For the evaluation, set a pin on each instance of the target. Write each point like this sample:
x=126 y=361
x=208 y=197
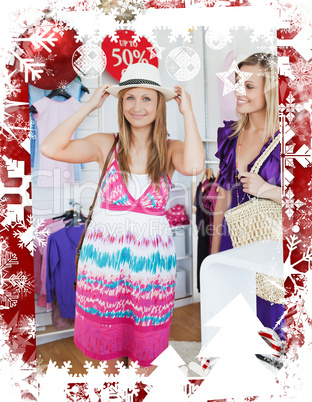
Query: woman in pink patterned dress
x=126 y=273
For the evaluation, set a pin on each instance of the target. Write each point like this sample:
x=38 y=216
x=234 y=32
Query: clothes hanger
x=59 y=92
x=210 y=174
x=204 y=174
x=67 y=214
x=55 y=92
x=85 y=89
x=217 y=175
x=77 y=219
x=32 y=109
x=217 y=189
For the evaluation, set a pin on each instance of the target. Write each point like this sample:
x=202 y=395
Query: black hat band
x=137 y=81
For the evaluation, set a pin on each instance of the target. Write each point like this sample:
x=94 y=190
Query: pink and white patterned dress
x=126 y=273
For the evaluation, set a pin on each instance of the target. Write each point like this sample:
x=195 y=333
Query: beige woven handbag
x=255 y=220
x=258 y=218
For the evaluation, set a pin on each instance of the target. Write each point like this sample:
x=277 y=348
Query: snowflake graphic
x=28 y=66
x=210 y=3
x=304 y=215
x=62 y=84
x=23 y=231
x=37 y=35
x=87 y=5
x=302 y=72
x=30 y=234
x=27 y=325
x=19 y=129
x=299 y=17
x=14 y=285
x=272 y=60
x=290 y=204
x=17 y=377
x=61 y=28
x=7 y=89
x=122 y=10
x=8 y=259
x=260 y=37
x=13 y=88
x=303 y=155
x=42 y=60
x=3 y=205
x=289 y=266
x=291 y=108
x=218 y=39
x=78 y=392
x=175 y=33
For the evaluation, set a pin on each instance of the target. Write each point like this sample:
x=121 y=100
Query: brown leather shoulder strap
x=108 y=158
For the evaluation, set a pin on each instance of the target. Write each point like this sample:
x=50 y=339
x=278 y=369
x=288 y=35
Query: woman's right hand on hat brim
x=99 y=96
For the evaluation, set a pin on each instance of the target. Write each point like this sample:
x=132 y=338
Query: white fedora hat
x=141 y=75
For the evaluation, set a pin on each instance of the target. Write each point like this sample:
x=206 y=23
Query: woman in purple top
x=240 y=143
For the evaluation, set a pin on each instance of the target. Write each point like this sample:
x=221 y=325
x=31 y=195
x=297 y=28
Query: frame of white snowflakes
x=31 y=234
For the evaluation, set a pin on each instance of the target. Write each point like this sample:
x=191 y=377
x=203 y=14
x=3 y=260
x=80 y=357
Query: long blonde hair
x=157 y=154
x=268 y=64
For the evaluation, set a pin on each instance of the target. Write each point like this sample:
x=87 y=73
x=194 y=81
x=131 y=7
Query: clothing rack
x=44 y=334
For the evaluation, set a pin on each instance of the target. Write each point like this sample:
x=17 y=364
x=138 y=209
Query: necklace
x=236 y=170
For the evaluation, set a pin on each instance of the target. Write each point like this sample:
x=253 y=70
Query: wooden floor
x=185 y=326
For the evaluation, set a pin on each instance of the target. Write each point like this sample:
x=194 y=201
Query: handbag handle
x=259 y=162
x=91 y=208
x=256 y=167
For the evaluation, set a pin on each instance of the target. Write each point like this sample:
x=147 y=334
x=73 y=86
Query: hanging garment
x=42 y=298
x=177 y=216
x=61 y=270
x=126 y=273
x=73 y=89
x=37 y=260
x=205 y=200
x=50 y=114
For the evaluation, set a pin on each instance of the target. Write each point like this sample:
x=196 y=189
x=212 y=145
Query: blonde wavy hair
x=157 y=154
x=268 y=65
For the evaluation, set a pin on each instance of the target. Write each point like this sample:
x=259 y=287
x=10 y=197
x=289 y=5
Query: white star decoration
x=231 y=85
x=155 y=51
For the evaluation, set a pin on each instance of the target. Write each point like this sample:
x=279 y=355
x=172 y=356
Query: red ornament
x=126 y=51
x=54 y=46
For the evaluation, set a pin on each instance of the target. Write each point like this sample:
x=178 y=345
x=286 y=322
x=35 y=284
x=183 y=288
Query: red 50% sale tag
x=126 y=51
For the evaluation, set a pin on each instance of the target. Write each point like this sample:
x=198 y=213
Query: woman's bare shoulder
x=104 y=142
x=102 y=138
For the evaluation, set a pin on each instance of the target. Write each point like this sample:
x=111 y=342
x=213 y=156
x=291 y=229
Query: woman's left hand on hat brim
x=183 y=99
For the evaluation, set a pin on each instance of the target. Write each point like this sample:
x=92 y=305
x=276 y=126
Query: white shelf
x=211 y=162
x=184 y=258
x=53 y=336
x=178 y=188
x=183 y=302
x=180 y=227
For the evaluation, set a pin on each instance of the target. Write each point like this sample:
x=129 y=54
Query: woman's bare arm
x=187 y=157
x=222 y=204
x=59 y=146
